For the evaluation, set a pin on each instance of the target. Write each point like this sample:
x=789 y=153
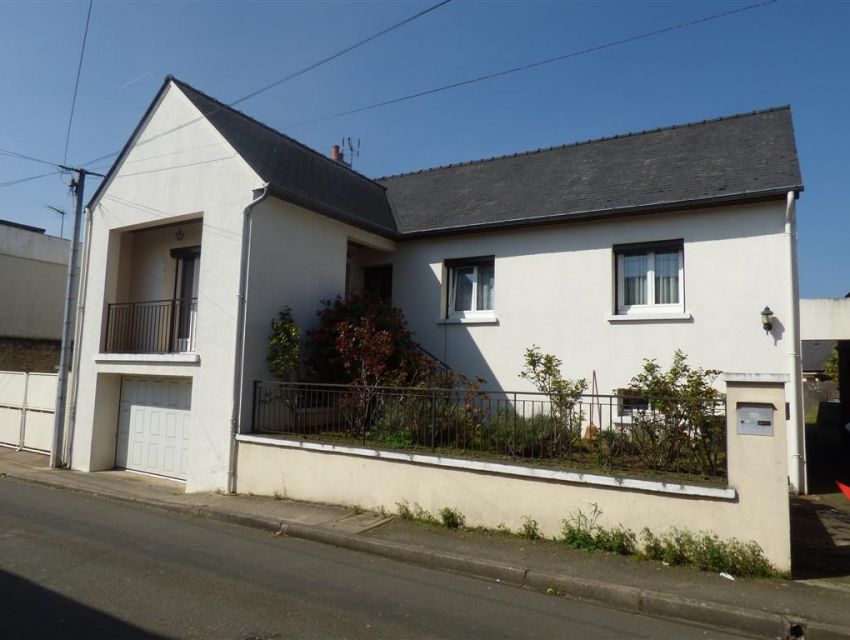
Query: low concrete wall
x=757 y=472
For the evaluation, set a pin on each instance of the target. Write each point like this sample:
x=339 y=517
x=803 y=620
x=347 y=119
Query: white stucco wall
x=555 y=288
x=297 y=259
x=33 y=272
x=187 y=173
x=825 y=318
x=757 y=471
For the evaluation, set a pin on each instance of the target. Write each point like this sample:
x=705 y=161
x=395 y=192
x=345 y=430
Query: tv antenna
x=61 y=212
x=352 y=145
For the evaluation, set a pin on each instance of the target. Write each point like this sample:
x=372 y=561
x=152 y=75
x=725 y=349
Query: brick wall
x=21 y=354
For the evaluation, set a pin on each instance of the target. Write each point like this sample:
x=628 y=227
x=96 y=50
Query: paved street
x=73 y=565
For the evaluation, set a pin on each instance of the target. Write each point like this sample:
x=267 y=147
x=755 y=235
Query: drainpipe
x=239 y=355
x=78 y=341
x=796 y=432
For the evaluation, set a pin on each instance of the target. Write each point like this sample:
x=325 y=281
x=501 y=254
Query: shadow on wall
x=41 y=613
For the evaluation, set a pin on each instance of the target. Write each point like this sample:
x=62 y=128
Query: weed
x=452 y=518
x=706 y=551
x=278 y=495
x=581 y=531
x=504 y=530
x=357 y=509
x=415 y=514
x=382 y=511
x=555 y=591
x=530 y=529
x=404 y=511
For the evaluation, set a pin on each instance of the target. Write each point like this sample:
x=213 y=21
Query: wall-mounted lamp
x=767 y=319
x=179 y=235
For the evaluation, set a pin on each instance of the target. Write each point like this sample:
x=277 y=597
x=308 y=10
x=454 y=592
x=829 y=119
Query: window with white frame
x=471 y=287
x=650 y=277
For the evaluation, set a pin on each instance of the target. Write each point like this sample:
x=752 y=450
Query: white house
x=603 y=252
x=33 y=270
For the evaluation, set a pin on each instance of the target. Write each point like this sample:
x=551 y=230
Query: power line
x=77 y=83
x=287 y=78
x=9 y=183
x=23 y=156
x=339 y=53
x=540 y=63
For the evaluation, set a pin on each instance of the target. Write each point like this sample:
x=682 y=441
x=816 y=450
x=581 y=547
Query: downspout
x=78 y=337
x=796 y=431
x=239 y=355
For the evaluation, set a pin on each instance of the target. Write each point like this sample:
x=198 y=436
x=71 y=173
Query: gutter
x=239 y=354
x=796 y=433
x=604 y=214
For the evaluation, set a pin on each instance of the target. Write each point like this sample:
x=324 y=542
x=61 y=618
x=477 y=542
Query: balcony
x=153 y=327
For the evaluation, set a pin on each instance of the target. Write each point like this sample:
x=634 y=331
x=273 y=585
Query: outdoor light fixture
x=767 y=319
x=180 y=235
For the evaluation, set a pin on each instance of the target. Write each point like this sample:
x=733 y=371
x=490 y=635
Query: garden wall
x=754 y=505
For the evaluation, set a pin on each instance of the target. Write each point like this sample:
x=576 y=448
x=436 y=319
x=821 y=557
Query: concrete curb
x=666 y=605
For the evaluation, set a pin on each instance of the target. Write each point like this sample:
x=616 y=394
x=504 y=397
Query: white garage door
x=154 y=425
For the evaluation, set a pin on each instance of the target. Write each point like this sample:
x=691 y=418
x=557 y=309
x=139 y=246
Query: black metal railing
x=608 y=433
x=158 y=326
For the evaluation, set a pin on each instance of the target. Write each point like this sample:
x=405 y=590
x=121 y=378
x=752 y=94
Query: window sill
x=158 y=358
x=484 y=319
x=650 y=317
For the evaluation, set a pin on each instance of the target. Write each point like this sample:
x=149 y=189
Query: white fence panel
x=27 y=403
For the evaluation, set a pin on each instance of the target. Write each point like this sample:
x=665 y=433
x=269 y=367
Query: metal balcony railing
x=157 y=326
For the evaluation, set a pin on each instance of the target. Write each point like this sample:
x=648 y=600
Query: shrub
x=284 y=345
x=359 y=316
x=452 y=518
x=544 y=372
x=682 y=430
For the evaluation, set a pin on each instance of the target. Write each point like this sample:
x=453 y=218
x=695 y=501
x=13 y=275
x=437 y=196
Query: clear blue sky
x=794 y=53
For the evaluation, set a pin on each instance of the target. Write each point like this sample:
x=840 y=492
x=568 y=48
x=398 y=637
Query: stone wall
x=23 y=354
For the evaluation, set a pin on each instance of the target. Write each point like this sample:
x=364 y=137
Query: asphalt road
x=78 y=566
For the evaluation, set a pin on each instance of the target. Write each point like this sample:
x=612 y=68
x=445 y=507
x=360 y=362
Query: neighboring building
x=604 y=253
x=816 y=353
x=33 y=272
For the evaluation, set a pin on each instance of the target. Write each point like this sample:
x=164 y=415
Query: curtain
x=463 y=279
x=634 y=279
x=667 y=278
x=486 y=287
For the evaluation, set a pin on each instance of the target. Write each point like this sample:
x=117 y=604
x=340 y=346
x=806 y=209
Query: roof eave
x=127 y=145
x=607 y=214
x=288 y=195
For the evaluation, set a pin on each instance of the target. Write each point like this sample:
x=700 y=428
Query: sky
x=786 y=52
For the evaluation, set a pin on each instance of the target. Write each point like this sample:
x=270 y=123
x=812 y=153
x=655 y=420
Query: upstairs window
x=650 y=277
x=472 y=287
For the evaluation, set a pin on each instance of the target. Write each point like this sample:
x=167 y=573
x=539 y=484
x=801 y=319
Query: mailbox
x=755 y=419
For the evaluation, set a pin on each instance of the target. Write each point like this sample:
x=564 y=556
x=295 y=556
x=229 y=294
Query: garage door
x=154 y=425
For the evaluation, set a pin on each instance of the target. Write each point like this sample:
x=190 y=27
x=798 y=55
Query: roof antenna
x=353 y=146
x=61 y=212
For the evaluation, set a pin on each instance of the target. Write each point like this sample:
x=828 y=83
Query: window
x=472 y=285
x=650 y=277
x=630 y=402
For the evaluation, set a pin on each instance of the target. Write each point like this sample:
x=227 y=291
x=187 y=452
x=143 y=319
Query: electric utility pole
x=78 y=186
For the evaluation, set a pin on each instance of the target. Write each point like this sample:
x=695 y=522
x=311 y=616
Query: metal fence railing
x=157 y=326
x=617 y=433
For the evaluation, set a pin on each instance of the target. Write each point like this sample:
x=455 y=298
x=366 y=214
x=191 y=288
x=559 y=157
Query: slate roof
x=296 y=172
x=745 y=157
x=815 y=354
x=742 y=157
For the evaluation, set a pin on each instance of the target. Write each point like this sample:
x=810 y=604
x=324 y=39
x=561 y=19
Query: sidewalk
x=764 y=608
